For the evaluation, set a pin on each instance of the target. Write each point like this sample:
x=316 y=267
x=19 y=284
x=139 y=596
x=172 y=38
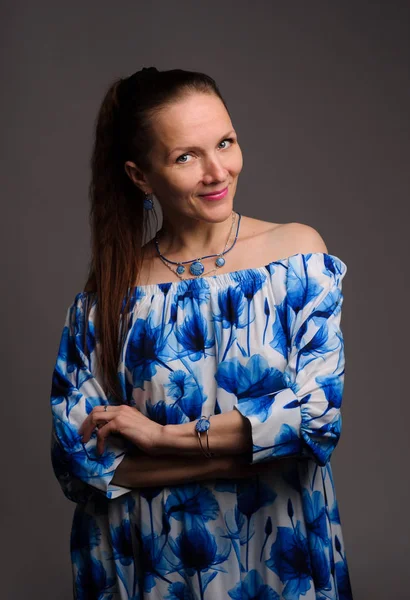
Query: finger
x=97 y=416
x=103 y=433
x=92 y=425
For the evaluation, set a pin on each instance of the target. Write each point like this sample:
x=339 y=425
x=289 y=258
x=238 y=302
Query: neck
x=185 y=241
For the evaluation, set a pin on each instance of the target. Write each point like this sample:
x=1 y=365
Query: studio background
x=319 y=95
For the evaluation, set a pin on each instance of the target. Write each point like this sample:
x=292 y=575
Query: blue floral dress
x=265 y=341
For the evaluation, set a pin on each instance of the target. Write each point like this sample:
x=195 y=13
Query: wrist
x=178 y=439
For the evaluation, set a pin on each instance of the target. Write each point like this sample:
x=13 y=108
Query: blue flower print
x=255 y=380
x=344 y=586
x=63 y=391
x=332 y=265
x=316 y=519
x=231 y=306
x=74 y=489
x=164 y=414
x=87 y=464
x=328 y=434
x=343 y=581
x=157 y=560
x=147 y=348
x=126 y=388
x=165 y=287
x=318 y=346
x=191 y=502
x=287 y=442
x=250 y=282
x=123 y=552
x=92 y=581
x=263 y=341
x=334 y=514
x=85 y=533
x=266 y=310
x=122 y=543
x=187 y=393
x=67 y=357
x=253 y=494
x=68 y=363
x=317 y=532
x=280 y=340
x=83 y=463
x=253 y=588
x=301 y=287
x=193 y=290
x=289 y=559
x=200 y=551
x=192 y=335
x=78 y=327
x=328 y=307
x=236 y=532
x=179 y=591
x=322 y=317
x=231 y=315
x=149 y=494
x=135 y=295
x=268 y=531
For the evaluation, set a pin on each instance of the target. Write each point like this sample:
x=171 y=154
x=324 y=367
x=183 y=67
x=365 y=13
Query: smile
x=215 y=195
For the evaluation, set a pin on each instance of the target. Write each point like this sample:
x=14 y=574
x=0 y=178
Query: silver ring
x=106 y=408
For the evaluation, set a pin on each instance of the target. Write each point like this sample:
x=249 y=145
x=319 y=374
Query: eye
x=179 y=157
x=231 y=140
x=182 y=162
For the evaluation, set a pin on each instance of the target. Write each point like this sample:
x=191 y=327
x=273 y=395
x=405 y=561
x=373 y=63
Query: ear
x=137 y=176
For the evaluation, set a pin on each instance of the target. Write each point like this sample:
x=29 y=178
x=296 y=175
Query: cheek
x=179 y=185
x=169 y=186
x=186 y=181
x=237 y=162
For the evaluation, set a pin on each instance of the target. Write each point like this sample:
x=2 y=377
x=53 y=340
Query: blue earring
x=148 y=203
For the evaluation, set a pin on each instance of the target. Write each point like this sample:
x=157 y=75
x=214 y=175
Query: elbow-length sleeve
x=303 y=419
x=75 y=390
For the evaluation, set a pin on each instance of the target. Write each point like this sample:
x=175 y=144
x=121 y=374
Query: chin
x=218 y=213
x=216 y=210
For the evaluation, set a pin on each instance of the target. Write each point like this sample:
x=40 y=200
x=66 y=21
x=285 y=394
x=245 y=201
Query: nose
x=214 y=171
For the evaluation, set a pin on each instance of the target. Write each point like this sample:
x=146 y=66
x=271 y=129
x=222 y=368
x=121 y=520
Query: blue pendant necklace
x=197 y=268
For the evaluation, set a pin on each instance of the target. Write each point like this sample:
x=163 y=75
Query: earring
x=148 y=203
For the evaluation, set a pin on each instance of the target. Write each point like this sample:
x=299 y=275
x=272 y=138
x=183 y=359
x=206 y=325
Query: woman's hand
x=126 y=421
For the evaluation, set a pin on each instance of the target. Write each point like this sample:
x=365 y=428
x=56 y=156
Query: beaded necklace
x=197 y=268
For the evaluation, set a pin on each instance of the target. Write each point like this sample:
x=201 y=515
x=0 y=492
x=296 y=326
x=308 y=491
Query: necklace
x=197 y=268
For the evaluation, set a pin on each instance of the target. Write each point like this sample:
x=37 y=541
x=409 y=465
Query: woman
x=196 y=394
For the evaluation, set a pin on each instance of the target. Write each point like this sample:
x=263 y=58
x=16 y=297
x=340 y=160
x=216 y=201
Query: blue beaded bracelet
x=202 y=425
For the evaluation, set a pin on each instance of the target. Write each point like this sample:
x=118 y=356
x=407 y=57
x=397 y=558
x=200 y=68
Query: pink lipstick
x=215 y=195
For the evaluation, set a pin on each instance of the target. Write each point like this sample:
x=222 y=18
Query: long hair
x=118 y=226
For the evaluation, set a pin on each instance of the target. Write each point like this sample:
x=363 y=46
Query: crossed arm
x=171 y=454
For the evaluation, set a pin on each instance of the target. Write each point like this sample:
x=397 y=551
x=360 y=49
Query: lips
x=215 y=195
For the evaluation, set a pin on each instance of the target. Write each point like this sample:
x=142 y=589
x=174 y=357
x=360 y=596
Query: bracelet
x=202 y=425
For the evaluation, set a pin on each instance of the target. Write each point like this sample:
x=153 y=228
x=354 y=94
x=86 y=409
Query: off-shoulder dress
x=265 y=341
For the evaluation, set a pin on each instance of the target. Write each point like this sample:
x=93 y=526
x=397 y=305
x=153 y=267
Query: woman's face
x=195 y=152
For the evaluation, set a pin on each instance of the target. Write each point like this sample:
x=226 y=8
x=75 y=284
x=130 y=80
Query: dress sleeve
x=303 y=419
x=75 y=391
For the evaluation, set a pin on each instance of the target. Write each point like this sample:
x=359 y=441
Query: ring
x=106 y=408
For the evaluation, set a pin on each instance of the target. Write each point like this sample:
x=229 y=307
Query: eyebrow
x=180 y=148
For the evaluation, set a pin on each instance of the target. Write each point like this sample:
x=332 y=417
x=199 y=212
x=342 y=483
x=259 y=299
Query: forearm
x=145 y=471
x=229 y=434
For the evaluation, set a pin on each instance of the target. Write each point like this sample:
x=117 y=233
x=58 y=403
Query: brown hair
x=118 y=224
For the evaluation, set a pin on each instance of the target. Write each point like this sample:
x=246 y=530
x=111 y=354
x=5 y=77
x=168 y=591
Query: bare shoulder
x=280 y=240
x=295 y=238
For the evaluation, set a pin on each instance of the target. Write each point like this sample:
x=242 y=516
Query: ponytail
x=117 y=232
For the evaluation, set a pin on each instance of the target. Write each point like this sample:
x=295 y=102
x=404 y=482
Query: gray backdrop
x=319 y=95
